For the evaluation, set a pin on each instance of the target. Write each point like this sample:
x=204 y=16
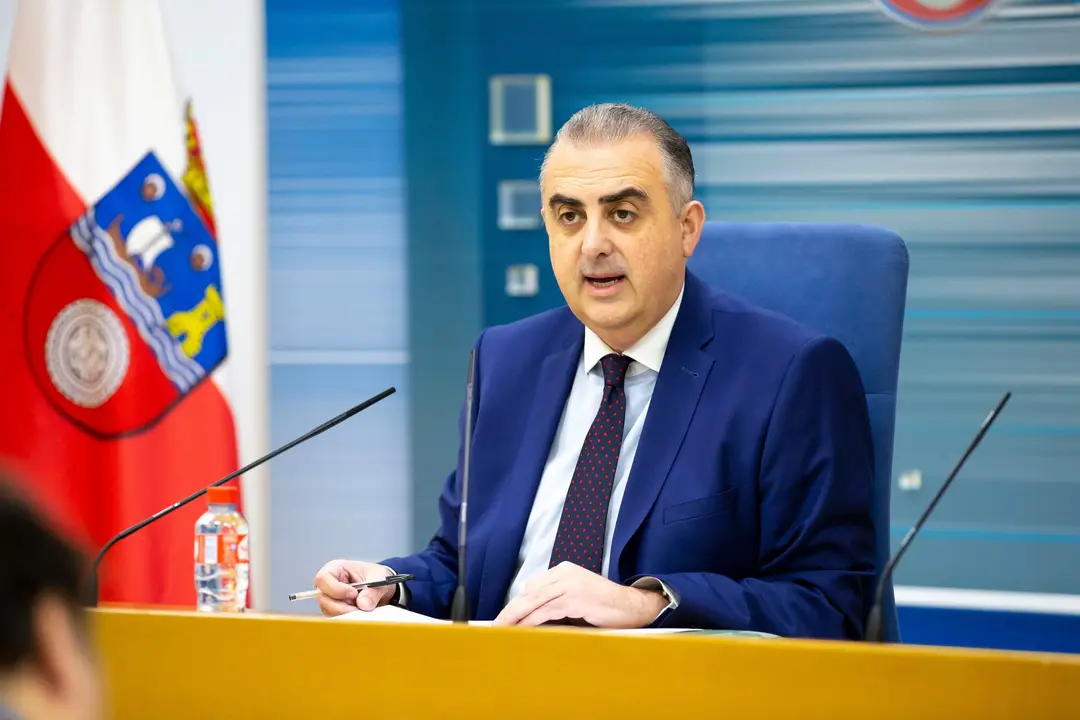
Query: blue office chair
x=846 y=281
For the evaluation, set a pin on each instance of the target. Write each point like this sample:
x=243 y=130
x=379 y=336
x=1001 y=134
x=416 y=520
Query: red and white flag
x=114 y=313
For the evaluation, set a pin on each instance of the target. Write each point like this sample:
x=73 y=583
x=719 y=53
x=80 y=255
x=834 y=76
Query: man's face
x=618 y=247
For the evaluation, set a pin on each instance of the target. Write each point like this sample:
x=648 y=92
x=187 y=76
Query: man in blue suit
x=657 y=453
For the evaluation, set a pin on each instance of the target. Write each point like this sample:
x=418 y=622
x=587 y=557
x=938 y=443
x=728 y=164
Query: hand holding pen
x=344 y=585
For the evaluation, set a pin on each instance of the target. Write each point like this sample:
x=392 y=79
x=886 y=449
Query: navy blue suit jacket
x=750 y=494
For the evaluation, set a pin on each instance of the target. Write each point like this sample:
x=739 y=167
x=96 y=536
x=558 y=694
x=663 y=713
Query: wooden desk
x=185 y=665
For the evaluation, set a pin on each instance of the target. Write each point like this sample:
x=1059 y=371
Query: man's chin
x=607 y=322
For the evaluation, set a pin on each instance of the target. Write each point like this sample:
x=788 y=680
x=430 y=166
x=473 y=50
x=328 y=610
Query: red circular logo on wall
x=937 y=14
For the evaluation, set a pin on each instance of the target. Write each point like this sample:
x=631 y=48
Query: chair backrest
x=846 y=281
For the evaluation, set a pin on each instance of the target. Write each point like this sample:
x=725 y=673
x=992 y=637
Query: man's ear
x=692 y=221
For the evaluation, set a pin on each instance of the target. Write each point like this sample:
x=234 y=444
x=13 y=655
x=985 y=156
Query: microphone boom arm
x=874 y=621
x=92 y=591
x=459 y=610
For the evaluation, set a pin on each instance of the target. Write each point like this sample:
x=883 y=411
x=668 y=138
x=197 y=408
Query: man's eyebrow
x=560 y=199
x=627 y=193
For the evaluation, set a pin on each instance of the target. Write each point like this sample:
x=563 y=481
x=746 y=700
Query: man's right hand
x=338 y=597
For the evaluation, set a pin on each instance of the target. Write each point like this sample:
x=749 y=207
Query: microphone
x=459 y=611
x=874 y=628
x=92 y=590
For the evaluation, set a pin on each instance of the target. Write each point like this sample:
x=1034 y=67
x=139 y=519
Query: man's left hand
x=570 y=592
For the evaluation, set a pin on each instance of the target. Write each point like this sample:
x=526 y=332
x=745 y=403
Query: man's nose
x=595 y=242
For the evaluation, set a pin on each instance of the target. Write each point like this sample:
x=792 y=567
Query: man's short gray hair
x=611 y=122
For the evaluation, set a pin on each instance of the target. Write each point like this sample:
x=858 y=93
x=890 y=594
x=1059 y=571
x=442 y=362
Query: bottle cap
x=223 y=495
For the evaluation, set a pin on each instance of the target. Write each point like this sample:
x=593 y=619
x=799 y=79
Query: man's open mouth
x=603 y=281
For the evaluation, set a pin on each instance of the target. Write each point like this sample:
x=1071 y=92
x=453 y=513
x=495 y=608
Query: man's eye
x=568 y=217
x=622 y=215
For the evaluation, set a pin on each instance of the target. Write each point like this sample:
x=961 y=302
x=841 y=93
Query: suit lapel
x=550 y=391
x=675 y=398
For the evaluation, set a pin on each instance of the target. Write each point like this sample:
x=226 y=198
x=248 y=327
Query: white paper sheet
x=395 y=614
x=646 y=631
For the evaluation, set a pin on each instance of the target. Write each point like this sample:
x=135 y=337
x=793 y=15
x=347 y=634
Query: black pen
x=391 y=580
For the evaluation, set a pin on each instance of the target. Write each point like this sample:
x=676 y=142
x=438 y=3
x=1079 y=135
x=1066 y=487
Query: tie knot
x=615 y=367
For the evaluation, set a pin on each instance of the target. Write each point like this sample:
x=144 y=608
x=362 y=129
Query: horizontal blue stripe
x=930 y=79
x=582 y=90
x=994 y=313
x=942 y=333
x=720 y=133
x=1003 y=429
x=870 y=94
x=781 y=196
x=987 y=534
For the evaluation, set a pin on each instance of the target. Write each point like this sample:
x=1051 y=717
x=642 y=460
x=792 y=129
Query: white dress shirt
x=581 y=407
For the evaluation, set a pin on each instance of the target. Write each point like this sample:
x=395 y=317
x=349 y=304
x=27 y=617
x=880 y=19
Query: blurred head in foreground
x=47 y=664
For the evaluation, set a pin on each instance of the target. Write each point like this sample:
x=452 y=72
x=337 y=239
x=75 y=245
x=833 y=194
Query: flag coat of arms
x=115 y=316
x=124 y=314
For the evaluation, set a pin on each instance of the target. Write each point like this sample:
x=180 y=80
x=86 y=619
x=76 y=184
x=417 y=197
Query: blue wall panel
x=445 y=127
x=338 y=269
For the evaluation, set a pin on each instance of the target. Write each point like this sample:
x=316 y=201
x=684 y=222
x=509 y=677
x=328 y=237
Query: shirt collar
x=647 y=353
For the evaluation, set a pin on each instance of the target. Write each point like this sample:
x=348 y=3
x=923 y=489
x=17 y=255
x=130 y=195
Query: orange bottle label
x=224 y=549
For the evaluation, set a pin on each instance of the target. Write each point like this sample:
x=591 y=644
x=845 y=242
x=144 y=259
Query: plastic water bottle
x=221 y=553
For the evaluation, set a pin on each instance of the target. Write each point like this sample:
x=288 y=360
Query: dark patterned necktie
x=580 y=538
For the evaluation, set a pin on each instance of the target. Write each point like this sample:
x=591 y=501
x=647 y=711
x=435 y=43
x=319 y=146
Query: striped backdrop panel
x=337 y=262
x=967 y=144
